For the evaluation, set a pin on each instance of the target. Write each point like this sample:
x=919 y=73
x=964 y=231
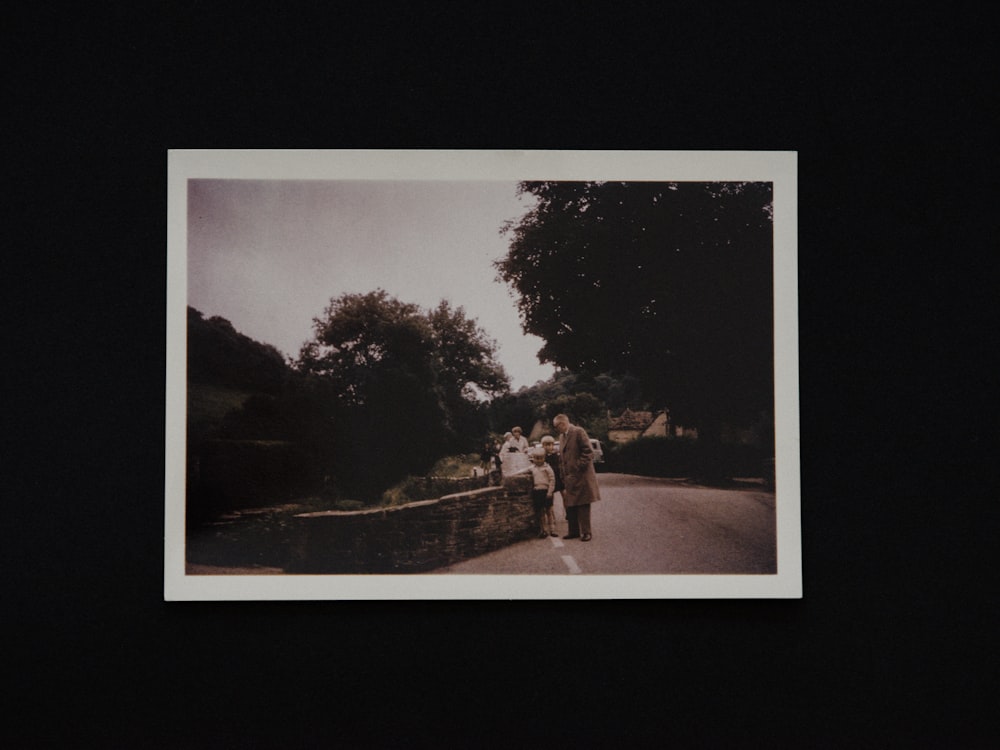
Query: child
x=486 y=457
x=544 y=484
x=552 y=459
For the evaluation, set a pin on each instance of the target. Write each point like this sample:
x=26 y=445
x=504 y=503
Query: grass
x=458 y=467
x=440 y=481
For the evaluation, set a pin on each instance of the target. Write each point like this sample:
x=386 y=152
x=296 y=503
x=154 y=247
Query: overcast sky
x=268 y=255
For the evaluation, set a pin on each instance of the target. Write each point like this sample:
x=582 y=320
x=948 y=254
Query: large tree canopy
x=671 y=282
x=585 y=398
x=361 y=337
x=408 y=380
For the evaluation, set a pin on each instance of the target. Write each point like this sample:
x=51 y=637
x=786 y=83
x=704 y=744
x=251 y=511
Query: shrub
x=413 y=489
x=679 y=457
x=228 y=474
x=455 y=466
x=208 y=406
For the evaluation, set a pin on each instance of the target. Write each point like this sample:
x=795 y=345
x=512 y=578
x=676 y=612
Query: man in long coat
x=576 y=459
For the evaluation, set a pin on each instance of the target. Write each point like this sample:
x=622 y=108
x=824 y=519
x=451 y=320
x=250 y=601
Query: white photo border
x=777 y=167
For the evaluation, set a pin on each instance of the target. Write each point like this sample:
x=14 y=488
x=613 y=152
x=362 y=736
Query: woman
x=514 y=453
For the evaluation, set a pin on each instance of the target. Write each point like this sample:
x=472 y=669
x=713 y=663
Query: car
x=598 y=451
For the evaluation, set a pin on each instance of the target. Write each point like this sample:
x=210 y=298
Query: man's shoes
x=543 y=535
x=553 y=533
x=572 y=536
x=585 y=538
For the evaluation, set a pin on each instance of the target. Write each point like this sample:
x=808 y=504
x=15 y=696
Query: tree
x=669 y=282
x=217 y=354
x=585 y=399
x=407 y=379
x=466 y=355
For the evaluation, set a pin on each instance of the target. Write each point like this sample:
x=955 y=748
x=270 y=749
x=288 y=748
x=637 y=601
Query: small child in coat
x=544 y=485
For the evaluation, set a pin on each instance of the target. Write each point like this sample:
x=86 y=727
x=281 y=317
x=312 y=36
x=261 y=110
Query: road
x=650 y=526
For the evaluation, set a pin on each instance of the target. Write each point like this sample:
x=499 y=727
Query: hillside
x=225 y=369
x=220 y=355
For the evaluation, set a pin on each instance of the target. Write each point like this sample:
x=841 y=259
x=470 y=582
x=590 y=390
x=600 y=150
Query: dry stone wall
x=415 y=537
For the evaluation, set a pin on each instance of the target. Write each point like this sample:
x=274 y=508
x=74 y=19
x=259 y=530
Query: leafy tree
x=467 y=370
x=585 y=408
x=217 y=354
x=586 y=399
x=670 y=282
x=407 y=381
x=622 y=393
x=465 y=354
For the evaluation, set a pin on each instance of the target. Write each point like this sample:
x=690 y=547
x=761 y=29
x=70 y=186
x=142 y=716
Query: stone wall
x=415 y=537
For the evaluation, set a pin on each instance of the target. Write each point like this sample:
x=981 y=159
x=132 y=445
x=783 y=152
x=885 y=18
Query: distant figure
x=543 y=482
x=552 y=459
x=578 y=475
x=486 y=455
x=490 y=458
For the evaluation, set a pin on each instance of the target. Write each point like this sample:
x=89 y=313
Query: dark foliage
x=671 y=282
x=405 y=382
x=218 y=354
x=584 y=397
x=270 y=434
x=696 y=459
x=228 y=474
x=304 y=413
x=383 y=391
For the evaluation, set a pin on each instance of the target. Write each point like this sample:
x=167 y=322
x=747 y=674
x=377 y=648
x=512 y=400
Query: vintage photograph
x=463 y=374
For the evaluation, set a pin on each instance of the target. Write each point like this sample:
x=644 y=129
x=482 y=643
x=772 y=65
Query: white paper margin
x=778 y=167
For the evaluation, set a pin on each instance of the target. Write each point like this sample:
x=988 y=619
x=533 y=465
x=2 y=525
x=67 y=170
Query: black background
x=893 y=117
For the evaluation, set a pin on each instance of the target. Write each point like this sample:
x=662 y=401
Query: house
x=635 y=424
x=660 y=427
x=629 y=425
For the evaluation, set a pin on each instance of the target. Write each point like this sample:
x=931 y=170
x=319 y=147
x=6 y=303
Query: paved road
x=652 y=526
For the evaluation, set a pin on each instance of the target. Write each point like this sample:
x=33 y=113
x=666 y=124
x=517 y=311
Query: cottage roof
x=631 y=420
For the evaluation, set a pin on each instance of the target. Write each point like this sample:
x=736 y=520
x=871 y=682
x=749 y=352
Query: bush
x=207 y=408
x=455 y=466
x=230 y=474
x=679 y=457
x=413 y=489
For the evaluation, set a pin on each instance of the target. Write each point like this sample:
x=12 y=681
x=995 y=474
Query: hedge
x=680 y=457
x=232 y=474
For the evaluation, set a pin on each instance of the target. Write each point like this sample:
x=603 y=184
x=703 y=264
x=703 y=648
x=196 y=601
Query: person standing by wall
x=486 y=454
x=578 y=476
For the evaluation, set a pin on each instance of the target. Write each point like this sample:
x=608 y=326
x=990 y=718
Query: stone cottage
x=631 y=425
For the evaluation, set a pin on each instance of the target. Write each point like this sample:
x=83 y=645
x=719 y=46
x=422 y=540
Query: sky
x=269 y=255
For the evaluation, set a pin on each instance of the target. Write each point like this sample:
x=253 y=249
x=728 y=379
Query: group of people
x=507 y=457
x=568 y=470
